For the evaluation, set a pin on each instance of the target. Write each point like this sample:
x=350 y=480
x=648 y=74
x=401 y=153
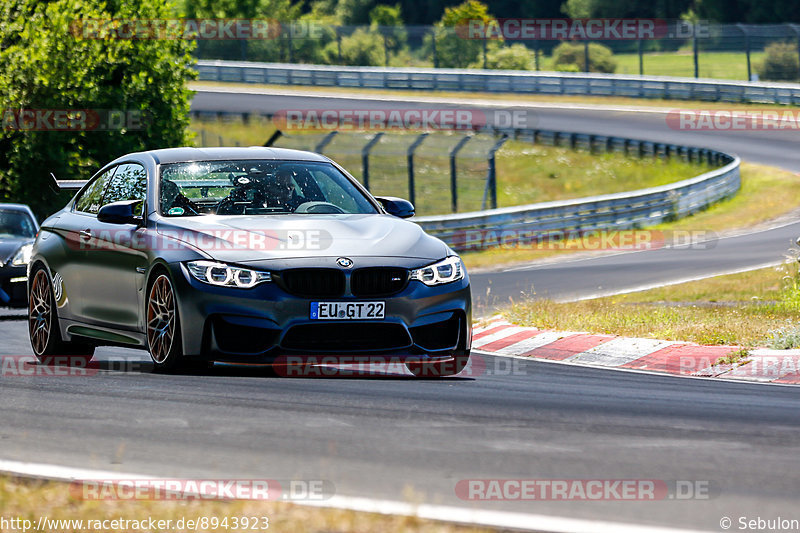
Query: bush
x=781 y=62
x=569 y=57
x=361 y=48
x=514 y=57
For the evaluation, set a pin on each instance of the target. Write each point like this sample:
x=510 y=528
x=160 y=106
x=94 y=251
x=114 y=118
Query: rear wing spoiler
x=68 y=185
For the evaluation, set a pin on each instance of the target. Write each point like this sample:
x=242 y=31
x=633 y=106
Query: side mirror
x=397 y=206
x=123 y=212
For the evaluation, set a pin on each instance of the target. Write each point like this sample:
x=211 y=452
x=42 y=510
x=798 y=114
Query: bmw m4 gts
x=244 y=255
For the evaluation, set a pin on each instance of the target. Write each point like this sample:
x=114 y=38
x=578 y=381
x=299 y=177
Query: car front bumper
x=265 y=323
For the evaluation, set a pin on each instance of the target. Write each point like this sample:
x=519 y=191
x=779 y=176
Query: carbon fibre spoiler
x=68 y=185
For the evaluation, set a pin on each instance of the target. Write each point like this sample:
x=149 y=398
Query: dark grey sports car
x=244 y=255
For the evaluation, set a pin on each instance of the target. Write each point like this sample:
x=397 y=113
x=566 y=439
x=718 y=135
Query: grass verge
x=26 y=499
x=766 y=194
x=756 y=308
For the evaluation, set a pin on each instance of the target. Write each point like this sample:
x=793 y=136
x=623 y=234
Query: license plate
x=347 y=310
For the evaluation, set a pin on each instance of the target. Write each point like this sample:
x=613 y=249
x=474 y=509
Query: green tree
x=454 y=47
x=388 y=21
x=46 y=66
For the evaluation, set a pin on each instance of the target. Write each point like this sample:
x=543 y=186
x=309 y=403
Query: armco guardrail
x=536 y=222
x=506 y=81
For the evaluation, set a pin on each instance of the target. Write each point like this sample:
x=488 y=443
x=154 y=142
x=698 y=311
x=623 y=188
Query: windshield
x=16 y=224
x=258 y=188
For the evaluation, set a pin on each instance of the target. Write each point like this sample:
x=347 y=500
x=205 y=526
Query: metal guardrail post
x=454 y=174
x=365 y=158
x=410 y=160
x=325 y=142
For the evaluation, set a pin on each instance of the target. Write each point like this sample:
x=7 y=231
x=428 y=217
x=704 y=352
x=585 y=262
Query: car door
x=117 y=259
x=74 y=227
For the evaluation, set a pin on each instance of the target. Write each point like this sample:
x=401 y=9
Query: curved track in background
x=377 y=437
x=590 y=276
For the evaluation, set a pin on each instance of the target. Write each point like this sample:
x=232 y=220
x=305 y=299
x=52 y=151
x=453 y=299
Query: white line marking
x=522 y=521
x=617 y=352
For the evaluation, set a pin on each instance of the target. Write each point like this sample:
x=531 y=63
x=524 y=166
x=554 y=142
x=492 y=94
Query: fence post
x=491 y=181
x=410 y=159
x=746 y=49
x=385 y=47
x=365 y=158
x=797 y=32
x=325 y=142
x=433 y=42
x=484 y=53
x=694 y=50
x=289 y=42
x=454 y=174
x=641 y=58
x=274 y=137
x=536 y=54
x=339 y=42
x=586 y=55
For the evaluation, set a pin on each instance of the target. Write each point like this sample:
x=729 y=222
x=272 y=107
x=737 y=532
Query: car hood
x=246 y=239
x=9 y=247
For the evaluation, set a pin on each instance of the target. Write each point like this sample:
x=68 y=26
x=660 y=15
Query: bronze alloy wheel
x=161 y=319
x=40 y=312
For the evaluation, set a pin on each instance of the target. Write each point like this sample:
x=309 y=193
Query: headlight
x=23 y=256
x=446 y=271
x=224 y=275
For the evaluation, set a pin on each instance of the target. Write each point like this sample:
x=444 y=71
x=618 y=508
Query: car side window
x=91 y=199
x=129 y=183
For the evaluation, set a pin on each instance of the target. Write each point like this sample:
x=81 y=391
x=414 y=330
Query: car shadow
x=82 y=366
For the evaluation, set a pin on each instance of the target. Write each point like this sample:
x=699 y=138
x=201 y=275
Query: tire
x=439 y=369
x=163 y=324
x=43 y=326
